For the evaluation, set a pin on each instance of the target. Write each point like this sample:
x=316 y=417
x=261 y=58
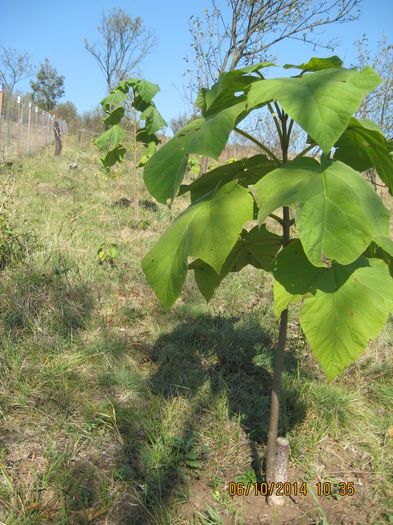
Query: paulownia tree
x=333 y=255
x=133 y=96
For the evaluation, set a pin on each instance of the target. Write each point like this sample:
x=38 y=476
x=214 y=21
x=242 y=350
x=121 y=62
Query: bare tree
x=222 y=43
x=124 y=43
x=378 y=105
x=14 y=67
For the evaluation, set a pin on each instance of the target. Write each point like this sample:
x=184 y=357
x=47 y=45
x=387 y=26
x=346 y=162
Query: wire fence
x=24 y=127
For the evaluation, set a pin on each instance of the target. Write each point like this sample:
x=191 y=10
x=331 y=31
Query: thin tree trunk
x=282 y=335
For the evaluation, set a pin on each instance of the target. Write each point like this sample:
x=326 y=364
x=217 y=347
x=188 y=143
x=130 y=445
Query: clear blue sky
x=56 y=29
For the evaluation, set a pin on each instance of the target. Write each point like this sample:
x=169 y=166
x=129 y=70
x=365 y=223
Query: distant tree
x=66 y=111
x=48 y=88
x=14 y=67
x=124 y=43
x=179 y=122
x=378 y=105
x=92 y=120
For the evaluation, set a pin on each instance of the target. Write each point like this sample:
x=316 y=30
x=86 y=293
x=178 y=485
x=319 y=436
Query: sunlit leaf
x=338 y=212
x=198 y=233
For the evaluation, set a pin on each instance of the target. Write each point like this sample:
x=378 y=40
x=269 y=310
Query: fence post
x=42 y=129
x=28 y=128
x=36 y=129
x=18 y=145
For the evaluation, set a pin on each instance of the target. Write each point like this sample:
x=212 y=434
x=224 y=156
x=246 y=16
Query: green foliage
x=49 y=87
x=137 y=94
x=340 y=264
x=107 y=253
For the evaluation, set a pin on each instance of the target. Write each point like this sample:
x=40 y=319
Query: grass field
x=115 y=412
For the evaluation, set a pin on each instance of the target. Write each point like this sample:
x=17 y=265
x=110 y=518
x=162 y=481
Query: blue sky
x=56 y=30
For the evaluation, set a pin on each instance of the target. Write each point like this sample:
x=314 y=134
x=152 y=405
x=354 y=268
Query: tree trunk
x=271 y=459
x=58 y=142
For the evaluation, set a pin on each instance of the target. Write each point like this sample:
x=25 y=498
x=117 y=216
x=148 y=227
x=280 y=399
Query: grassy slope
x=113 y=411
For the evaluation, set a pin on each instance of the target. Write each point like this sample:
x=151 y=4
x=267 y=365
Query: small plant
x=107 y=252
x=132 y=96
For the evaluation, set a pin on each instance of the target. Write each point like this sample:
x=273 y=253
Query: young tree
x=14 y=67
x=334 y=254
x=124 y=43
x=48 y=88
x=132 y=96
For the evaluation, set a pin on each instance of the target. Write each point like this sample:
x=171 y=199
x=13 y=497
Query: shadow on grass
x=49 y=303
x=203 y=359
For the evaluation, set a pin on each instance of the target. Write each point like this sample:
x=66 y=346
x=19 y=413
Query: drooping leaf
x=362 y=146
x=207 y=230
x=344 y=306
x=338 y=212
x=248 y=171
x=257 y=247
x=317 y=64
x=114 y=117
x=149 y=150
x=377 y=252
x=146 y=90
x=153 y=119
x=115 y=98
x=113 y=156
x=112 y=136
x=322 y=103
x=228 y=89
x=165 y=170
x=206 y=278
x=146 y=138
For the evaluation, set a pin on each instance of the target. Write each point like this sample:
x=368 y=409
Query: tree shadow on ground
x=218 y=356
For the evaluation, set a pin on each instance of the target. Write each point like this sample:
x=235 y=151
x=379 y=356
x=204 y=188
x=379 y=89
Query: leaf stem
x=276 y=218
x=259 y=144
x=306 y=150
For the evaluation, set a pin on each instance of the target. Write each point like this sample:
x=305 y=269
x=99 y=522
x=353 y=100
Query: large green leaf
x=322 y=103
x=248 y=171
x=338 y=215
x=112 y=136
x=207 y=230
x=317 y=64
x=257 y=247
x=339 y=324
x=165 y=170
x=344 y=306
x=362 y=146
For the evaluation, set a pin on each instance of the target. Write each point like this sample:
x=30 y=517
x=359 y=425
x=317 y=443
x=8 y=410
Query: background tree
x=49 y=87
x=124 y=43
x=249 y=33
x=378 y=105
x=14 y=67
x=67 y=111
